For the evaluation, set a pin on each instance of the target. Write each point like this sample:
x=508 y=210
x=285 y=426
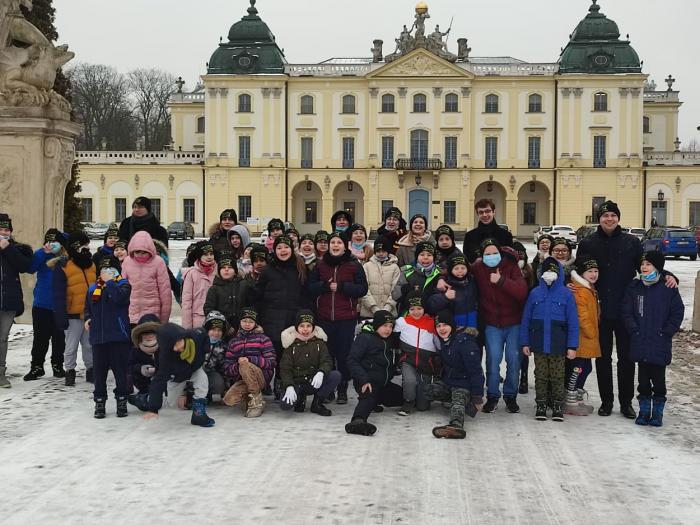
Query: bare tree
x=692 y=145
x=150 y=91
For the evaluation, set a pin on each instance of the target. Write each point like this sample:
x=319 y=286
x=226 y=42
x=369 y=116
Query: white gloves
x=317 y=380
x=290 y=396
x=148 y=370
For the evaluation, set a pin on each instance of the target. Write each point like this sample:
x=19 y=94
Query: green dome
x=251 y=49
x=595 y=47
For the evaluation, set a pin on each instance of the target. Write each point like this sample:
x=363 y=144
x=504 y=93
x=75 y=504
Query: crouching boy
x=143 y=361
x=181 y=357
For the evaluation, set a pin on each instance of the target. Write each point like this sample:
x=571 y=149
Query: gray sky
x=179 y=36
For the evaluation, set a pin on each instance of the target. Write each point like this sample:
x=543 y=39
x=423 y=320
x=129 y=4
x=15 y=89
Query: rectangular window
x=307 y=152
x=599 y=153
x=119 y=209
x=244 y=151
x=388 y=104
x=491 y=152
x=694 y=213
x=348 y=152
x=595 y=205
x=450 y=152
x=529 y=213
x=450 y=212
x=245 y=207
x=155 y=208
x=600 y=102
x=86 y=205
x=387 y=152
x=533 y=153
x=311 y=212
x=386 y=204
x=349 y=206
x=188 y=210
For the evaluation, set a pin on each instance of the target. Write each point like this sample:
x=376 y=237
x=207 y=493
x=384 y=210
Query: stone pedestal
x=36 y=154
x=696 y=305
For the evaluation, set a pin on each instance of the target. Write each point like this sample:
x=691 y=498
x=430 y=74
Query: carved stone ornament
x=409 y=40
x=327 y=183
x=422 y=66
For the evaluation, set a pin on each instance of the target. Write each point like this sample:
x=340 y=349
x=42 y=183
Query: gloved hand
x=290 y=396
x=317 y=380
x=148 y=370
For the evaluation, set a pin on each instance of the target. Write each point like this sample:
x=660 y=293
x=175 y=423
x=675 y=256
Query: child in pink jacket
x=148 y=276
x=196 y=285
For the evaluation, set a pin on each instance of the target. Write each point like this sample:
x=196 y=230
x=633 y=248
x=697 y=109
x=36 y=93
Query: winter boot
x=331 y=397
x=89 y=375
x=511 y=405
x=277 y=390
x=657 y=412
x=317 y=407
x=541 y=411
x=605 y=408
x=572 y=405
x=557 y=412
x=360 y=427
x=139 y=400
x=121 y=407
x=451 y=431
x=70 y=377
x=199 y=414
x=100 y=408
x=35 y=372
x=378 y=409
x=406 y=408
x=58 y=370
x=644 y=411
x=4 y=382
x=189 y=395
x=300 y=405
x=256 y=405
x=343 y=393
x=580 y=393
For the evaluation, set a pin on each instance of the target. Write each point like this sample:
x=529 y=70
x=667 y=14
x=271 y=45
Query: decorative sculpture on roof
x=28 y=61
x=415 y=38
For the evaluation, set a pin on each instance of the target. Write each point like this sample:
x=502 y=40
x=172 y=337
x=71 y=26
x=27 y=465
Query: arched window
x=491 y=104
x=451 y=103
x=388 y=103
x=646 y=124
x=349 y=104
x=420 y=103
x=600 y=102
x=244 y=103
x=419 y=145
x=200 y=124
x=534 y=103
x=307 y=105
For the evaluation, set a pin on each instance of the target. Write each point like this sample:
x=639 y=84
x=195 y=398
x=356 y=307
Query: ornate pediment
x=420 y=63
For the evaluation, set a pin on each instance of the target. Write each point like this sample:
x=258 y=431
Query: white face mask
x=521 y=264
x=549 y=277
x=4 y=237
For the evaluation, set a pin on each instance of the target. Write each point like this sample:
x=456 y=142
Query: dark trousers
x=625 y=367
x=389 y=395
x=45 y=331
x=586 y=367
x=652 y=380
x=114 y=356
x=340 y=336
x=330 y=383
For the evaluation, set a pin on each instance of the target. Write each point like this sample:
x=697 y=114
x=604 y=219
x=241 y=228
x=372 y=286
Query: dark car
x=672 y=241
x=584 y=231
x=180 y=230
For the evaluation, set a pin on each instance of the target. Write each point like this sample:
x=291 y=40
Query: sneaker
x=541 y=411
x=605 y=409
x=100 y=408
x=406 y=408
x=34 y=373
x=557 y=412
x=451 y=431
x=511 y=405
x=70 y=378
x=58 y=370
x=122 y=411
x=490 y=406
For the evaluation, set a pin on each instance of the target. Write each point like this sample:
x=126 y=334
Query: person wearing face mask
x=418 y=233
x=196 y=285
x=107 y=323
x=110 y=240
x=359 y=246
x=143 y=360
x=549 y=329
x=341 y=222
x=382 y=272
x=142 y=219
x=72 y=276
x=502 y=293
x=15 y=258
x=44 y=329
x=218 y=331
x=393 y=229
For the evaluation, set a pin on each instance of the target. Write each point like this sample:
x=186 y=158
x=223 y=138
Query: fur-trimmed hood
x=289 y=335
x=578 y=279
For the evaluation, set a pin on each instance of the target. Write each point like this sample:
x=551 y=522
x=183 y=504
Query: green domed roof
x=595 y=47
x=251 y=49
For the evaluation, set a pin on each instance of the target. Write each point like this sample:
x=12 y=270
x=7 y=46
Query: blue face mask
x=650 y=277
x=55 y=247
x=214 y=340
x=492 y=260
x=112 y=272
x=4 y=237
x=341 y=228
x=358 y=246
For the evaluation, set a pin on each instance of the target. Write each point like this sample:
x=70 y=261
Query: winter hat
x=148 y=323
x=488 y=242
x=121 y=243
x=321 y=235
x=550 y=264
x=54 y=235
x=228 y=213
x=290 y=231
x=418 y=216
x=108 y=261
x=77 y=239
x=112 y=231
x=248 y=313
x=415 y=299
x=543 y=237
x=585 y=263
x=608 y=206
x=241 y=231
x=275 y=224
x=337 y=215
x=356 y=227
x=456 y=260
x=382 y=244
x=189 y=253
x=226 y=259
x=340 y=236
x=380 y=318
x=560 y=240
x=142 y=201
x=445 y=230
x=393 y=212
x=518 y=247
x=307 y=237
x=445 y=317
x=424 y=246
x=201 y=248
x=258 y=251
x=215 y=319
x=5 y=221
x=283 y=239
x=655 y=258
x=304 y=316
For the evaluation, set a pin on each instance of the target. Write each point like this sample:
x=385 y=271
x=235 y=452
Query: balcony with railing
x=672 y=158
x=418 y=164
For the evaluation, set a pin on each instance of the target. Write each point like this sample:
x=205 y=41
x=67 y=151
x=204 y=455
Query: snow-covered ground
x=59 y=465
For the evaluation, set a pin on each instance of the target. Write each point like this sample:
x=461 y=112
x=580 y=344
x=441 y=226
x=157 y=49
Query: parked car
x=505 y=227
x=540 y=232
x=264 y=235
x=180 y=230
x=561 y=230
x=584 y=231
x=672 y=241
x=96 y=230
x=697 y=236
x=637 y=232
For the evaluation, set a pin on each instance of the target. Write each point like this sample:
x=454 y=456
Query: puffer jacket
x=406 y=254
x=381 y=281
x=550 y=319
x=70 y=287
x=352 y=285
x=417 y=343
x=413 y=279
x=225 y=296
x=500 y=304
x=588 y=317
x=463 y=307
x=43 y=289
x=109 y=316
x=150 y=283
x=15 y=259
x=652 y=315
x=302 y=359
x=460 y=356
x=214 y=360
x=371 y=358
x=194 y=295
x=256 y=347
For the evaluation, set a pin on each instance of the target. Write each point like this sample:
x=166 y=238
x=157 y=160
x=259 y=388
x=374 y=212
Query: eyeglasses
x=562 y=250
x=484 y=212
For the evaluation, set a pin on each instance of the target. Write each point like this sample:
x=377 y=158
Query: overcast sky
x=179 y=36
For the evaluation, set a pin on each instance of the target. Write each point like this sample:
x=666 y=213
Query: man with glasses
x=487 y=228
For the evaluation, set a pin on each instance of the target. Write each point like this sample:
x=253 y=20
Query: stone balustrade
x=139 y=157
x=673 y=158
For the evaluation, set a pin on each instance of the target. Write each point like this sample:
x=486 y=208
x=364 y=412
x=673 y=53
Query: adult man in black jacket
x=618 y=255
x=142 y=219
x=487 y=228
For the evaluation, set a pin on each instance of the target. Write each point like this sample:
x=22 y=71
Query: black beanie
x=306 y=237
x=54 y=235
x=142 y=201
x=520 y=248
x=275 y=224
x=445 y=230
x=122 y=243
x=225 y=259
x=393 y=212
x=488 y=242
x=456 y=260
x=445 y=317
x=584 y=263
x=258 y=251
x=201 y=248
x=355 y=227
x=340 y=213
x=655 y=258
x=5 y=221
x=550 y=264
x=229 y=213
x=415 y=299
x=77 y=239
x=321 y=235
x=380 y=318
x=561 y=240
x=424 y=246
x=109 y=261
x=341 y=236
x=418 y=216
x=305 y=316
x=543 y=237
x=283 y=239
x=608 y=206
x=382 y=244
x=248 y=313
x=112 y=231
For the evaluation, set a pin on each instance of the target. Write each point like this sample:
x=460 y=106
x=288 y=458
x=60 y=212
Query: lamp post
x=661 y=195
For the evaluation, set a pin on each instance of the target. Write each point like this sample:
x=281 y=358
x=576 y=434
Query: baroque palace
x=415 y=126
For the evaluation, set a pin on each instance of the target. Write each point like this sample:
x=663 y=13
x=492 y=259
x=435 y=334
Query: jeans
x=413 y=384
x=7 y=318
x=45 y=332
x=75 y=334
x=496 y=340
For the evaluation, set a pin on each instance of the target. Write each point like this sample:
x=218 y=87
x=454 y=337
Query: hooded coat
x=500 y=304
x=381 y=281
x=194 y=295
x=352 y=285
x=302 y=359
x=588 y=317
x=70 y=286
x=109 y=317
x=16 y=258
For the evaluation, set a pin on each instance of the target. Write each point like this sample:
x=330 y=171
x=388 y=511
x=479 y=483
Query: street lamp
x=661 y=195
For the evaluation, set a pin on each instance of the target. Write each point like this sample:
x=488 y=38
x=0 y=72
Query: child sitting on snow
x=143 y=361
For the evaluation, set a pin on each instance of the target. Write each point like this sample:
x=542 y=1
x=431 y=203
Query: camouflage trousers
x=550 y=373
x=457 y=397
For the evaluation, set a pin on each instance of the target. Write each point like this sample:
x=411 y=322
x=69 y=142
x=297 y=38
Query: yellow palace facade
x=420 y=128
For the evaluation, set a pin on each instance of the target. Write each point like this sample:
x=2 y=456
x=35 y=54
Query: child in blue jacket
x=652 y=313
x=107 y=322
x=549 y=329
x=459 y=296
